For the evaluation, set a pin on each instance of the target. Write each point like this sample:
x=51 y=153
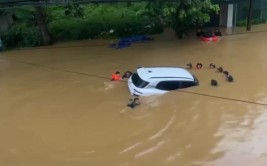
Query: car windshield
x=138 y=82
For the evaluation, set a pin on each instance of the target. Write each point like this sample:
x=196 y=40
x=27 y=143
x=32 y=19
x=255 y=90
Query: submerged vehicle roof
x=169 y=73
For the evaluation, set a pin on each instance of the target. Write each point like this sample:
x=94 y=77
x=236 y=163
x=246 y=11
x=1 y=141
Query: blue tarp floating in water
x=127 y=41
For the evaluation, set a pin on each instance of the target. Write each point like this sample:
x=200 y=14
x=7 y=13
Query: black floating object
x=230 y=78
x=213 y=83
x=189 y=65
x=220 y=69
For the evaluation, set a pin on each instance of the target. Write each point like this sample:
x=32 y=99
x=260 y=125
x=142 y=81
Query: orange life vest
x=115 y=77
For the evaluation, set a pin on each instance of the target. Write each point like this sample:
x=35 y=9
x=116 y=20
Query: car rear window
x=168 y=85
x=186 y=84
x=173 y=85
x=138 y=82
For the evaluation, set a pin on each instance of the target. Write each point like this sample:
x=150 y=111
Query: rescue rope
x=106 y=78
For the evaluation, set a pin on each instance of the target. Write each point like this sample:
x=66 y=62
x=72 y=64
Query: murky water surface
x=57 y=108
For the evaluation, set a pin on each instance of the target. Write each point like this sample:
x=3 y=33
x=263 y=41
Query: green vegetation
x=185 y=14
x=243 y=23
x=21 y=35
x=97 y=21
x=75 y=22
x=43 y=26
x=24 y=32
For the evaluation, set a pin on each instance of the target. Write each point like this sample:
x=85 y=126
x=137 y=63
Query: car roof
x=164 y=73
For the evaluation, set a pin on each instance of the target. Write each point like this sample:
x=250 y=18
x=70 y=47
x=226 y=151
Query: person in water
x=226 y=73
x=127 y=74
x=116 y=76
x=220 y=69
x=133 y=103
x=189 y=65
x=199 y=65
x=212 y=66
x=218 y=32
x=230 y=78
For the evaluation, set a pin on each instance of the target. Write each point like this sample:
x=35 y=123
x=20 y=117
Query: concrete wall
x=230 y=15
x=223 y=15
x=263 y=5
x=233 y=11
x=226 y=15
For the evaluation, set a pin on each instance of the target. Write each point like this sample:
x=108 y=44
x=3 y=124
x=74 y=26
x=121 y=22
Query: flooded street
x=58 y=107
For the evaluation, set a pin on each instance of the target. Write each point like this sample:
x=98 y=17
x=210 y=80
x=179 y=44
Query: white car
x=159 y=80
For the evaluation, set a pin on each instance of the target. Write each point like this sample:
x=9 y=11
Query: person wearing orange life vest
x=116 y=76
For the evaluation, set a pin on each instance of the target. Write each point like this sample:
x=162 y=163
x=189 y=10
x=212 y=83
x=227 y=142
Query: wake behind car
x=148 y=81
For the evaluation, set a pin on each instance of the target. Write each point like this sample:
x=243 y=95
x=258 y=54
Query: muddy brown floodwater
x=57 y=108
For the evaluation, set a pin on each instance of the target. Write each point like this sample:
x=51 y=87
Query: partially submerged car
x=159 y=80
